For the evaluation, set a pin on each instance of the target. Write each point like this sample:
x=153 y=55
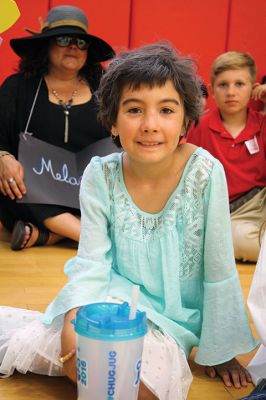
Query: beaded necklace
x=66 y=108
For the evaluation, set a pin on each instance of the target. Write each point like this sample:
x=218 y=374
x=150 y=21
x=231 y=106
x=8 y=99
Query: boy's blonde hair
x=233 y=60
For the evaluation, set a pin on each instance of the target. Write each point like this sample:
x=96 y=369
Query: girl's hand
x=70 y=369
x=68 y=343
x=10 y=168
x=259 y=92
x=231 y=372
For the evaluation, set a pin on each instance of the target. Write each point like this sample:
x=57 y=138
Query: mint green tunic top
x=182 y=257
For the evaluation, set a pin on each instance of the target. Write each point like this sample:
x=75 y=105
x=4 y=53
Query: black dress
x=47 y=123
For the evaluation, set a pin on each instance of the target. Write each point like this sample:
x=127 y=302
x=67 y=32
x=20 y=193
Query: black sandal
x=19 y=232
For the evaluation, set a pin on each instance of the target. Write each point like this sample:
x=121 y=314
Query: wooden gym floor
x=31 y=279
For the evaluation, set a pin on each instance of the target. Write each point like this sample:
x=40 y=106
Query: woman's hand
x=259 y=92
x=231 y=372
x=11 y=177
x=68 y=343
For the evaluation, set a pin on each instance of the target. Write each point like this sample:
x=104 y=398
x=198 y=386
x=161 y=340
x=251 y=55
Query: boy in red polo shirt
x=236 y=135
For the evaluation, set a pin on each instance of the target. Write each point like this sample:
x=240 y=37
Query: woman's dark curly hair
x=151 y=65
x=35 y=62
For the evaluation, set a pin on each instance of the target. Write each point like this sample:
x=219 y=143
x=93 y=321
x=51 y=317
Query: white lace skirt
x=26 y=344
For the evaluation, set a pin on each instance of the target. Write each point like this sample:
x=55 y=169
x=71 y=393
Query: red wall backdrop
x=201 y=28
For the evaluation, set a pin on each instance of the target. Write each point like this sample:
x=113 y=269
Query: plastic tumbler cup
x=109 y=351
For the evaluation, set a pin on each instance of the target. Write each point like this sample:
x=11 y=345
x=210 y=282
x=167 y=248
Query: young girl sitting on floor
x=155 y=215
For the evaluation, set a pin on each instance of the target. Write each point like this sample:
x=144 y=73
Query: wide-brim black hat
x=64 y=20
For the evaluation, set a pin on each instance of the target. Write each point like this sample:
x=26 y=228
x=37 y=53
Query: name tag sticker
x=252 y=145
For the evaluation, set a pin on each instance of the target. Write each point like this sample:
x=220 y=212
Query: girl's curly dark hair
x=151 y=65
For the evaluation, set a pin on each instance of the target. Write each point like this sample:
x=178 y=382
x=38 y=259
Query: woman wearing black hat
x=51 y=97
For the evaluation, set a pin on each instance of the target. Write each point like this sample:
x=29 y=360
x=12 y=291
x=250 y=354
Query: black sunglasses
x=64 y=41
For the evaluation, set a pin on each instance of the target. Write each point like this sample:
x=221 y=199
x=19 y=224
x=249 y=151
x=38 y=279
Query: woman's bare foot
x=26 y=235
x=30 y=236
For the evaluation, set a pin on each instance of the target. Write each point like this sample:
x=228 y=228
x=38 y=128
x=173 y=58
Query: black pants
x=11 y=211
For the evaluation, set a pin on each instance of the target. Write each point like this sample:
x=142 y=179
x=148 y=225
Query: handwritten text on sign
x=53 y=175
x=61 y=177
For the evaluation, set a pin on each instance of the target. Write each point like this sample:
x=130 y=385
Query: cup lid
x=109 y=321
